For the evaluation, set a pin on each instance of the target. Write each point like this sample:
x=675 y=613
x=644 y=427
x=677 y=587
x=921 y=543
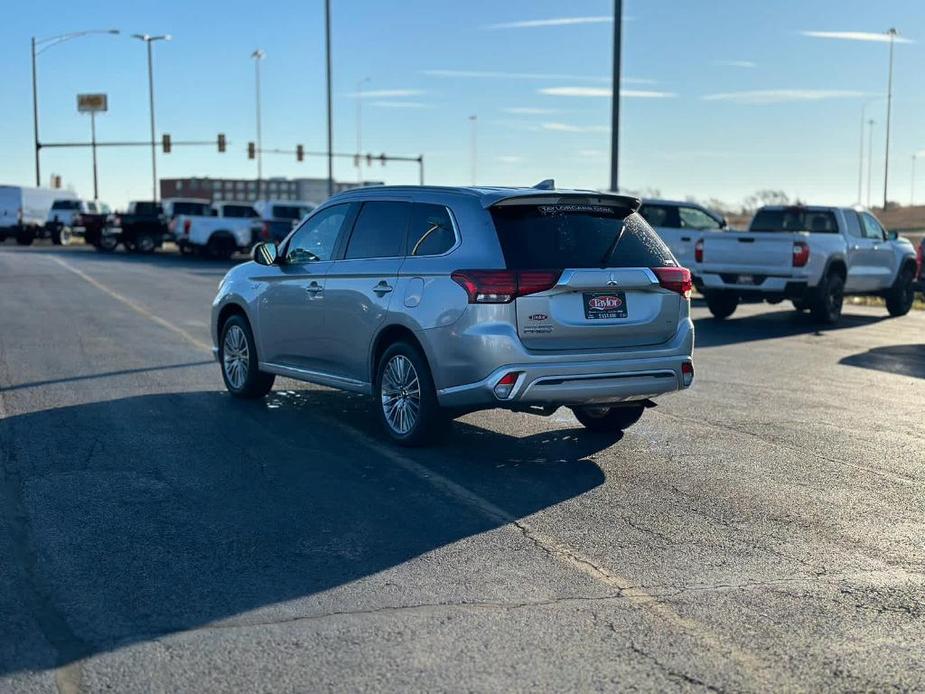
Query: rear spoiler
x=626 y=202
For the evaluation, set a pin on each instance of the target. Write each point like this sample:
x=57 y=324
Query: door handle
x=685 y=238
x=382 y=288
x=314 y=288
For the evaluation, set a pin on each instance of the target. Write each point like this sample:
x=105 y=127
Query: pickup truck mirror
x=723 y=223
x=265 y=253
x=892 y=235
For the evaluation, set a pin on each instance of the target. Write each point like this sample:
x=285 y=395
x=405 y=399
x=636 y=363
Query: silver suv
x=442 y=301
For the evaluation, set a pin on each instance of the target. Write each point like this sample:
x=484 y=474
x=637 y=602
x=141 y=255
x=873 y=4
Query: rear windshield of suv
x=556 y=237
x=817 y=221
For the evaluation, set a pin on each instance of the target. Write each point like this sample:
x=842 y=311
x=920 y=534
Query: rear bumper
x=572 y=383
x=770 y=286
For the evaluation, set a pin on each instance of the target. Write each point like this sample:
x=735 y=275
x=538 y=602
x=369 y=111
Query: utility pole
x=870 y=152
x=359 y=97
x=473 y=146
x=889 y=103
x=615 y=98
x=327 y=47
x=96 y=190
x=39 y=45
x=912 y=184
x=148 y=39
x=258 y=55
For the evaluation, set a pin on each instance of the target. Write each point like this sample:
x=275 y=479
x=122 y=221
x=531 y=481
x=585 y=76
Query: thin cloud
x=401 y=104
x=555 y=22
x=530 y=111
x=385 y=93
x=509 y=159
x=569 y=128
x=591 y=153
x=856 y=36
x=760 y=97
x=735 y=63
x=604 y=92
x=485 y=74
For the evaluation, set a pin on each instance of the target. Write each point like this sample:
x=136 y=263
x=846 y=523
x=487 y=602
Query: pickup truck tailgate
x=764 y=251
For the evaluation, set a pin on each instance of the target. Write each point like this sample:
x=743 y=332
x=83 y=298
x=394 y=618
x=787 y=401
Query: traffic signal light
x=369 y=160
x=165 y=143
x=382 y=159
x=251 y=150
x=299 y=153
x=56 y=181
x=221 y=142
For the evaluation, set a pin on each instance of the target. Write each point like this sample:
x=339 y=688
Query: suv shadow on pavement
x=129 y=519
x=903 y=360
x=710 y=332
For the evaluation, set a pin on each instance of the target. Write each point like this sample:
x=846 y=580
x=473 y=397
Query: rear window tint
x=431 y=230
x=380 y=230
x=818 y=221
x=557 y=237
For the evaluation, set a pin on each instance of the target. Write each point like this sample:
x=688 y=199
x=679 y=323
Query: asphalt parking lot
x=763 y=531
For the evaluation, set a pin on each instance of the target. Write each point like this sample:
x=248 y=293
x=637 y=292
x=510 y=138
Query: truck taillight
x=265 y=232
x=503 y=286
x=675 y=279
x=187 y=224
x=19 y=215
x=698 y=251
x=800 y=253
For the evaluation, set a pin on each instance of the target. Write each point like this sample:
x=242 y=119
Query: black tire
x=609 y=419
x=25 y=238
x=901 y=296
x=239 y=367
x=185 y=249
x=829 y=296
x=430 y=422
x=800 y=305
x=220 y=247
x=144 y=244
x=61 y=235
x=107 y=243
x=721 y=304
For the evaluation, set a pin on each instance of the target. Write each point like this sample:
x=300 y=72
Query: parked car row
x=199 y=226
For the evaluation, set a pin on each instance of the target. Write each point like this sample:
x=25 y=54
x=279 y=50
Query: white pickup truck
x=680 y=224
x=214 y=235
x=812 y=256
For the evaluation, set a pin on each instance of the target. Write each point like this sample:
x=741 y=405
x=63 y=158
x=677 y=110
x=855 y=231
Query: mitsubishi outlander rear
x=441 y=301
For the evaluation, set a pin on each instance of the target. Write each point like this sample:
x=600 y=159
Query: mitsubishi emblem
x=611 y=282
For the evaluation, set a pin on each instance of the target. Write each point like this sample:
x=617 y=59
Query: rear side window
x=796 y=219
x=431 y=231
x=295 y=212
x=659 y=215
x=556 y=237
x=195 y=209
x=66 y=205
x=693 y=218
x=238 y=211
x=380 y=230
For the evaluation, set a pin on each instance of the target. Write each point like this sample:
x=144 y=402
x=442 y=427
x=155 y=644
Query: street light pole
x=870 y=152
x=258 y=55
x=359 y=97
x=148 y=39
x=615 y=98
x=861 y=149
x=889 y=103
x=39 y=45
x=327 y=47
x=96 y=191
x=473 y=146
x=912 y=184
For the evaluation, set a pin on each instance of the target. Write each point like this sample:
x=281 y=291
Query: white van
x=24 y=211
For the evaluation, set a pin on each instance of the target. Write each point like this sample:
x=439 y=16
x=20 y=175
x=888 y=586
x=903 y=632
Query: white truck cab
x=680 y=224
x=812 y=255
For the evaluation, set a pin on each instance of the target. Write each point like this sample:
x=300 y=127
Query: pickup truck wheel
x=25 y=238
x=721 y=304
x=144 y=243
x=800 y=305
x=238 y=357
x=901 y=296
x=830 y=295
x=608 y=419
x=61 y=235
x=220 y=247
x=107 y=243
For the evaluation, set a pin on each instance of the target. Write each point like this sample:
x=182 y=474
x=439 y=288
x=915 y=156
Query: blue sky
x=721 y=97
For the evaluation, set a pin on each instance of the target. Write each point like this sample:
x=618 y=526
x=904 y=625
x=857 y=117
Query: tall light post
x=38 y=47
x=615 y=98
x=861 y=148
x=912 y=183
x=870 y=152
x=258 y=55
x=327 y=52
x=148 y=39
x=359 y=97
x=889 y=103
x=473 y=146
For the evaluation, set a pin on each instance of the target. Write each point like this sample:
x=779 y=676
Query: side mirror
x=265 y=253
x=892 y=235
x=723 y=223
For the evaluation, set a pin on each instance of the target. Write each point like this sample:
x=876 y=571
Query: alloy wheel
x=400 y=394
x=235 y=357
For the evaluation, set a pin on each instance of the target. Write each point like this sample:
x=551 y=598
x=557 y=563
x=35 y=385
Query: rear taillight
x=19 y=215
x=800 y=253
x=187 y=224
x=920 y=260
x=265 y=232
x=503 y=286
x=687 y=373
x=676 y=279
x=698 y=251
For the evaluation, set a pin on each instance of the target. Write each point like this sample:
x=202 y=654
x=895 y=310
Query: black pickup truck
x=141 y=229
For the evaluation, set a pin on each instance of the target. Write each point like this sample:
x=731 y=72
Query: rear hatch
x=600 y=258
